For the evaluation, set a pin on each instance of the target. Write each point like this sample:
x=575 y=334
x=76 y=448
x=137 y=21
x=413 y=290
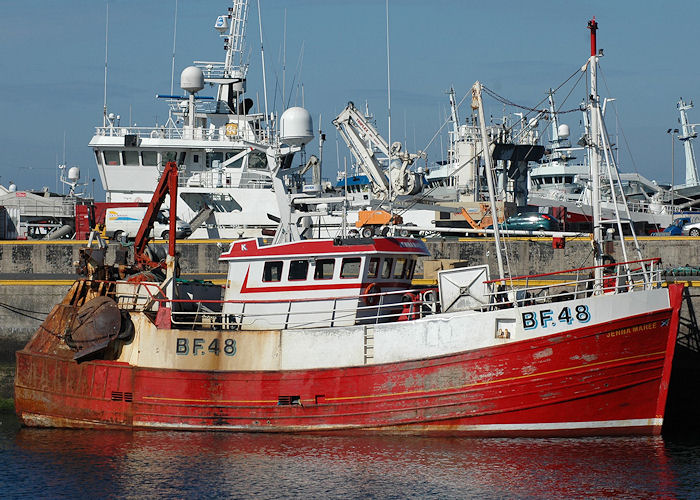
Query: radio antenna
x=104 y=103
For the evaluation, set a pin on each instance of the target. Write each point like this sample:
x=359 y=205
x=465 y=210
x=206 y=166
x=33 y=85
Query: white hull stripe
x=550 y=426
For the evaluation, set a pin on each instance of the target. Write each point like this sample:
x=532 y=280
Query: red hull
x=586 y=381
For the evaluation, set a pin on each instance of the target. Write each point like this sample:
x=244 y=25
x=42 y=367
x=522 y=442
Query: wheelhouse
x=317 y=283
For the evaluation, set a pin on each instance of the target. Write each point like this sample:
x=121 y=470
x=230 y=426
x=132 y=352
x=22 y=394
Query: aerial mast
x=688 y=132
x=594 y=156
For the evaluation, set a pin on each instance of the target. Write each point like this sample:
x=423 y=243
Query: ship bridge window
x=212 y=157
x=149 y=158
x=386 y=268
x=111 y=157
x=324 y=269
x=373 y=268
x=130 y=158
x=350 y=268
x=400 y=268
x=298 y=269
x=272 y=271
x=411 y=269
x=257 y=159
x=167 y=156
x=98 y=158
x=236 y=164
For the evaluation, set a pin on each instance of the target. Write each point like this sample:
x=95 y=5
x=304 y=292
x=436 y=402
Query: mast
x=594 y=155
x=688 y=132
x=479 y=105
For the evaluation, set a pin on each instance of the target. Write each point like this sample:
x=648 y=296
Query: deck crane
x=361 y=138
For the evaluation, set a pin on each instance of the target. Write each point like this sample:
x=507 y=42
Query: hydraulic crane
x=362 y=139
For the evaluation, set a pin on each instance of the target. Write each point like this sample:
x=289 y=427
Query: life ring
x=370 y=294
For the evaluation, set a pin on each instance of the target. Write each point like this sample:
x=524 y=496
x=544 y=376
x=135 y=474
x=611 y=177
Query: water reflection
x=170 y=464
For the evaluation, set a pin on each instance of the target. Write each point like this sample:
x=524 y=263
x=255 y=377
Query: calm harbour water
x=70 y=464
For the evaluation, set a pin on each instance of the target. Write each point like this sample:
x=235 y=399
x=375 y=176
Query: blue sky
x=52 y=55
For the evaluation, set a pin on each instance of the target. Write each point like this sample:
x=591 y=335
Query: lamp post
x=672 y=132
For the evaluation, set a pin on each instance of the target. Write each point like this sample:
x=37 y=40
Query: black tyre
x=695 y=232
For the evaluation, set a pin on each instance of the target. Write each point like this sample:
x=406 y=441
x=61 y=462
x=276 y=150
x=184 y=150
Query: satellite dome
x=192 y=79
x=74 y=174
x=296 y=126
x=563 y=131
x=12 y=187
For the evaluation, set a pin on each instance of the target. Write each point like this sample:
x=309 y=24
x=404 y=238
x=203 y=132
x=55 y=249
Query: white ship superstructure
x=219 y=143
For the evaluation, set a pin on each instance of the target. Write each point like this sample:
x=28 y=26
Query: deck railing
x=401 y=305
x=575 y=283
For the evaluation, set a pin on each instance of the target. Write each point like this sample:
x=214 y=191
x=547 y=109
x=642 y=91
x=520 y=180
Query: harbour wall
x=34 y=276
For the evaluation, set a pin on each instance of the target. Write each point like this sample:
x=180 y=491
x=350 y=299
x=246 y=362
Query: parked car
x=681 y=227
x=530 y=221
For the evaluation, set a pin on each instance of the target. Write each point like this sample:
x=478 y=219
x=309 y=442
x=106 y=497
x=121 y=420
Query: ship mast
x=594 y=156
x=231 y=74
x=691 y=173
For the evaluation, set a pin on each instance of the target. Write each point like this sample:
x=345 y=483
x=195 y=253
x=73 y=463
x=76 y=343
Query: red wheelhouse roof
x=253 y=248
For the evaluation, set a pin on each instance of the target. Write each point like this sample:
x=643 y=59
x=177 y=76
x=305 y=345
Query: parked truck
x=124 y=222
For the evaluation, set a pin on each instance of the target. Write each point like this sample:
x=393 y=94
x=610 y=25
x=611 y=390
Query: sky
x=52 y=58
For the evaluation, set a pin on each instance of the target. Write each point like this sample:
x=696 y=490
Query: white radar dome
x=296 y=126
x=563 y=131
x=12 y=188
x=192 y=79
x=74 y=174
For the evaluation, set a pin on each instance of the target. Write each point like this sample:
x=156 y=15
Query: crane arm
x=361 y=138
x=357 y=132
x=167 y=184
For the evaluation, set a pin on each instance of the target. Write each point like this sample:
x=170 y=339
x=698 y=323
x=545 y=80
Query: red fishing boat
x=330 y=336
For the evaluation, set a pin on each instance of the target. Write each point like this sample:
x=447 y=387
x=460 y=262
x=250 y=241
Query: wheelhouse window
x=400 y=268
x=167 y=156
x=130 y=158
x=272 y=271
x=98 y=158
x=149 y=158
x=350 y=268
x=111 y=157
x=215 y=156
x=386 y=268
x=324 y=269
x=236 y=164
x=257 y=160
x=298 y=270
x=411 y=269
x=373 y=268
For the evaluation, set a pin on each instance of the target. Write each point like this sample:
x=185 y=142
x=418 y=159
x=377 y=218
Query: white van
x=124 y=223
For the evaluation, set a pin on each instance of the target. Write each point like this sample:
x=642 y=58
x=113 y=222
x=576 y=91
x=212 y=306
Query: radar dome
x=12 y=188
x=296 y=126
x=563 y=131
x=192 y=79
x=74 y=174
